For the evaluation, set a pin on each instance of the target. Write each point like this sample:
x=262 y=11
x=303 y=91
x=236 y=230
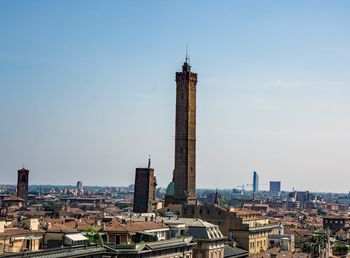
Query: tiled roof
x=13 y=198
x=230 y=251
x=244 y=212
x=61 y=228
x=19 y=231
x=116 y=226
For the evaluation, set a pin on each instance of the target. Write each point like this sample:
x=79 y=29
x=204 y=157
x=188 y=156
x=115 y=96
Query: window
x=23 y=179
x=28 y=244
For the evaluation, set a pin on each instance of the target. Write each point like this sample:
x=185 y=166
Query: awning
x=33 y=238
x=76 y=237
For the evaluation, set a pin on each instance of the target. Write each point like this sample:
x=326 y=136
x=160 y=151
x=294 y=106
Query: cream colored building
x=249 y=229
x=15 y=239
x=210 y=241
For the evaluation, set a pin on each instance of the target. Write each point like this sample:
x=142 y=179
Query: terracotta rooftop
x=135 y=226
x=61 y=228
x=13 y=198
x=244 y=212
x=19 y=231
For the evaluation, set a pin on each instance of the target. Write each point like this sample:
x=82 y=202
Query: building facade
x=210 y=241
x=249 y=229
x=16 y=240
x=275 y=186
x=336 y=223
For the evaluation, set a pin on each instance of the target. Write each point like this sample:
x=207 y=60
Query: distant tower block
x=255 y=182
x=185 y=137
x=145 y=189
x=22 y=184
x=80 y=185
x=275 y=186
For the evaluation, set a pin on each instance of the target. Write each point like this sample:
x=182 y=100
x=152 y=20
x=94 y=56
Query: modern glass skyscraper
x=255 y=182
x=275 y=186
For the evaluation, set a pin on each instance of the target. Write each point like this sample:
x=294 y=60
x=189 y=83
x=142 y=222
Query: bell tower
x=22 y=184
x=185 y=136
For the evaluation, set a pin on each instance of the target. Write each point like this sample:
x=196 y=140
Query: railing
x=263 y=227
x=56 y=252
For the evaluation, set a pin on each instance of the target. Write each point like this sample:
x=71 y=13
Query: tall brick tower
x=145 y=189
x=185 y=137
x=22 y=184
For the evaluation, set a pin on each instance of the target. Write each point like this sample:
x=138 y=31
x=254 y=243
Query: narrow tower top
x=186 y=66
x=23 y=170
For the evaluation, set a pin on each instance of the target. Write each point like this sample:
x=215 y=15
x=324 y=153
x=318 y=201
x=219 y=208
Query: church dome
x=170 y=190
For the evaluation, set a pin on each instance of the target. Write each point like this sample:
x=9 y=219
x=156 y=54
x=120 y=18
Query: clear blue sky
x=87 y=90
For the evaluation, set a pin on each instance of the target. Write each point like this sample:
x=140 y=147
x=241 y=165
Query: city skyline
x=91 y=96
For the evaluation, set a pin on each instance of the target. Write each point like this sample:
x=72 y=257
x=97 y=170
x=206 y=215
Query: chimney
x=33 y=224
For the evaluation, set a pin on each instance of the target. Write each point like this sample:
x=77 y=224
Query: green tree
x=94 y=236
x=339 y=249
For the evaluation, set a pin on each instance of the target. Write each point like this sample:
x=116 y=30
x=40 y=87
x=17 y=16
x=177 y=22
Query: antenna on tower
x=149 y=160
x=186 y=52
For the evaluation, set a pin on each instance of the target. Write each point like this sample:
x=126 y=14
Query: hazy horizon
x=87 y=91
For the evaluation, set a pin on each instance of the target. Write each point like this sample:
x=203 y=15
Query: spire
x=149 y=161
x=186 y=66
